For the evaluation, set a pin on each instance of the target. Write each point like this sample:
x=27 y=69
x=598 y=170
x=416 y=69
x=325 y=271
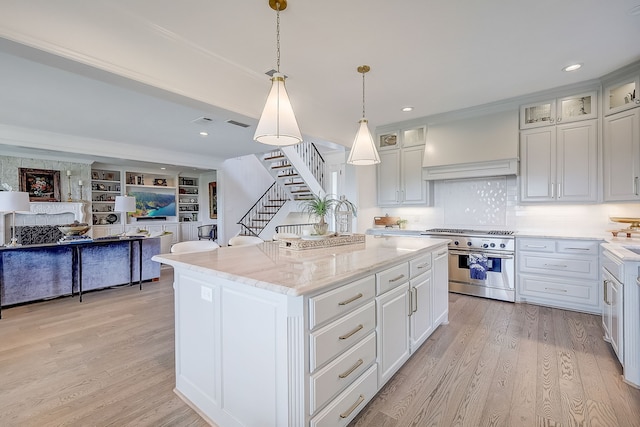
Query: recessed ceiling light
x=407 y=109
x=203 y=133
x=163 y=169
x=572 y=67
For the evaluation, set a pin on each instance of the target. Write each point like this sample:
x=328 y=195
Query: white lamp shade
x=14 y=201
x=278 y=125
x=363 y=151
x=125 y=204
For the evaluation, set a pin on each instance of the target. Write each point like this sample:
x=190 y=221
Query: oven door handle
x=487 y=254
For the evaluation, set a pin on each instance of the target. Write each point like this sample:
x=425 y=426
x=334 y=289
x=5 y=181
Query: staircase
x=298 y=173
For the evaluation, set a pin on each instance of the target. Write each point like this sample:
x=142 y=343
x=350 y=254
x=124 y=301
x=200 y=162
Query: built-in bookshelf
x=105 y=186
x=188 y=199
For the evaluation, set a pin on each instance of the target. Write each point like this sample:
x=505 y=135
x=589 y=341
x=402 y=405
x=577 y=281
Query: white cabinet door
x=615 y=295
x=577 y=162
x=622 y=156
x=538 y=164
x=388 y=174
x=440 y=286
x=392 y=310
x=413 y=188
x=421 y=322
x=559 y=163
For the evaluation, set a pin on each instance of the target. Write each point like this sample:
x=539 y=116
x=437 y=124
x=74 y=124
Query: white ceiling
x=136 y=73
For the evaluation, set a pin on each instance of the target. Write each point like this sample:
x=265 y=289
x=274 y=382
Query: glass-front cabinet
x=622 y=95
x=572 y=108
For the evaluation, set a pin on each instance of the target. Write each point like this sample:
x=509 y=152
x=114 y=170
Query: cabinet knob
x=559 y=119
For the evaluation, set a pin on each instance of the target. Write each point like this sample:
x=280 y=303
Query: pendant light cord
x=363 y=116
x=278 y=36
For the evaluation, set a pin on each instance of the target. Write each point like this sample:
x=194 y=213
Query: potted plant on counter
x=319 y=207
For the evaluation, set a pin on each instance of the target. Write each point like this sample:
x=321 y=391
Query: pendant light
x=277 y=124
x=363 y=150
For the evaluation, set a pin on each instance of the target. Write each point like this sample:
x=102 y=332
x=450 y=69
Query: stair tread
x=274 y=157
x=282 y=167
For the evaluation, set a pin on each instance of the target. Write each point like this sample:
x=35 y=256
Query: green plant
x=318 y=206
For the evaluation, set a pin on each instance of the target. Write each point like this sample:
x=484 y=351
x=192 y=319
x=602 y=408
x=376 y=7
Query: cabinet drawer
x=559 y=291
x=419 y=265
x=346 y=406
x=392 y=277
x=561 y=266
x=337 y=375
x=536 y=245
x=338 y=336
x=578 y=247
x=338 y=301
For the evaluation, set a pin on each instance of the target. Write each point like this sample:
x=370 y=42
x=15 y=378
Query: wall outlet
x=206 y=293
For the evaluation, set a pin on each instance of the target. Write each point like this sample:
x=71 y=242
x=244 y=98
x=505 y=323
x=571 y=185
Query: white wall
x=492 y=203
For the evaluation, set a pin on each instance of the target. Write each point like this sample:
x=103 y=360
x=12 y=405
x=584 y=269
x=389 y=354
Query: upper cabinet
x=622 y=94
x=559 y=163
x=572 y=108
x=621 y=156
x=399 y=174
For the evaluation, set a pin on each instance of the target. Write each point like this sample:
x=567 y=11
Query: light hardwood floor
x=109 y=362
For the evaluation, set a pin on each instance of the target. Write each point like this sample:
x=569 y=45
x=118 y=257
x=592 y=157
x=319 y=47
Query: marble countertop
x=292 y=272
x=623 y=248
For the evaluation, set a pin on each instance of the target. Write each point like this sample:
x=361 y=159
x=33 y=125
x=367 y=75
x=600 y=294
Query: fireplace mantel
x=54 y=208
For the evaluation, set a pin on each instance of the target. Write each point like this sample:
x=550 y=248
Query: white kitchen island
x=269 y=336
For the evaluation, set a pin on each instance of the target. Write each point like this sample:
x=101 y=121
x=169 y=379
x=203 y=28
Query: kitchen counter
x=299 y=272
x=276 y=337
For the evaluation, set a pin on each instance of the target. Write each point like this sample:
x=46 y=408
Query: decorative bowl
x=74 y=229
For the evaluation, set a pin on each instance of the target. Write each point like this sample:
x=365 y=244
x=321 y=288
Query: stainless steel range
x=481 y=263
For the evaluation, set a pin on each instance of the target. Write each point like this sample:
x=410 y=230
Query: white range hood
x=472 y=147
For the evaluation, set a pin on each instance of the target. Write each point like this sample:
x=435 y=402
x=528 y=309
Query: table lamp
x=125 y=204
x=14 y=201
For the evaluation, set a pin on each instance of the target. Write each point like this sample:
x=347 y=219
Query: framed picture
x=388 y=140
x=95 y=175
x=160 y=181
x=109 y=176
x=42 y=185
x=213 y=201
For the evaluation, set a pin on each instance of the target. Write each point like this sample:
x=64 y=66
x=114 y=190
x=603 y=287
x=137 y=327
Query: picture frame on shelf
x=95 y=175
x=160 y=182
x=43 y=185
x=213 y=200
x=110 y=176
x=388 y=140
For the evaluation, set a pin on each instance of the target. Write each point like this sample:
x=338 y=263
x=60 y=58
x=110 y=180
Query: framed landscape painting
x=43 y=185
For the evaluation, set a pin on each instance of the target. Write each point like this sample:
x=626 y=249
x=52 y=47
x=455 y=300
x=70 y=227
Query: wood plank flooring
x=503 y=364
x=109 y=361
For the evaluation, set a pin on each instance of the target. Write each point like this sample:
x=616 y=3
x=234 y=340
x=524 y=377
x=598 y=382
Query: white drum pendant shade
x=363 y=151
x=278 y=125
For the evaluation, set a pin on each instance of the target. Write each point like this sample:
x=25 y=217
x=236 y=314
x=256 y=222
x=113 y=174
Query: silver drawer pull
x=556 y=289
x=351 y=369
x=352 y=408
x=348 y=334
x=578 y=249
x=421 y=266
x=350 y=300
x=395 y=279
x=555 y=265
x=536 y=246
x=441 y=253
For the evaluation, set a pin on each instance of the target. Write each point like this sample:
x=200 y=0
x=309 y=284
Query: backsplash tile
x=478 y=202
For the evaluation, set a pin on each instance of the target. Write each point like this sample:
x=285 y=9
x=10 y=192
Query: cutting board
x=386 y=221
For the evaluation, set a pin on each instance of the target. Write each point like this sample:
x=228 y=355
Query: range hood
x=472 y=147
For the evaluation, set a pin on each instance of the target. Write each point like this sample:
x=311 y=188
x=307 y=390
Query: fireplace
x=44 y=213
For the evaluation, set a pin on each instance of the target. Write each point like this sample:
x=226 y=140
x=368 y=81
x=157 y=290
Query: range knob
x=493 y=245
x=468 y=243
x=456 y=243
x=502 y=245
x=485 y=246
